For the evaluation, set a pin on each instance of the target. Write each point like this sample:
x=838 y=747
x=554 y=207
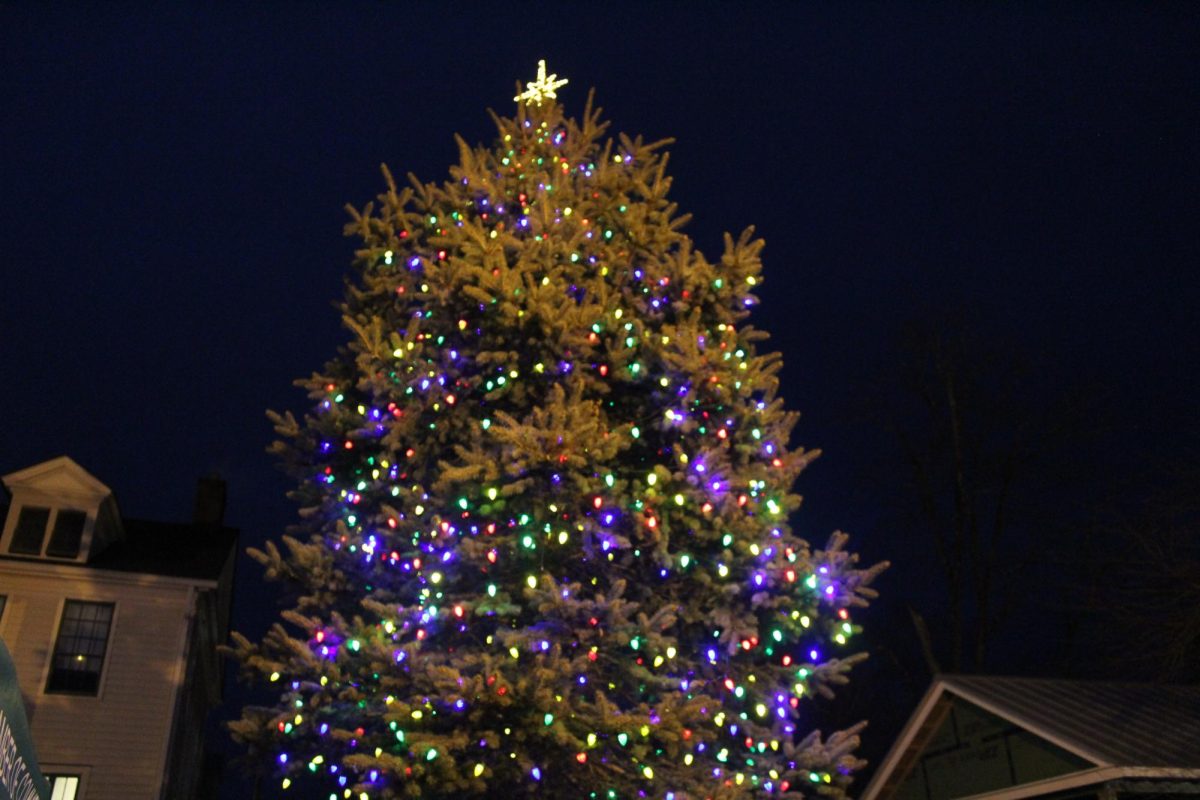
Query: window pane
x=68 y=530
x=80 y=648
x=30 y=530
x=63 y=787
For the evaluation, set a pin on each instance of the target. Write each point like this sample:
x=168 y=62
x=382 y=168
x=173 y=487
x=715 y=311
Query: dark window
x=79 y=651
x=63 y=787
x=68 y=530
x=31 y=529
x=3 y=600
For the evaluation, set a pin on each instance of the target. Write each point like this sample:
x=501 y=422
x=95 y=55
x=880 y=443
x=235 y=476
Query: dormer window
x=29 y=535
x=30 y=531
x=68 y=532
x=58 y=512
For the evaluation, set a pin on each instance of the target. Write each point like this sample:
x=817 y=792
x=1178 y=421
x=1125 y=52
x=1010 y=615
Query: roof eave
x=1087 y=777
x=904 y=741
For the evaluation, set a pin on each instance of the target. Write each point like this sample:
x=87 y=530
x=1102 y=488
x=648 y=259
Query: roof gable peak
x=59 y=476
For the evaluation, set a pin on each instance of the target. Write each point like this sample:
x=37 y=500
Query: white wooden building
x=113 y=625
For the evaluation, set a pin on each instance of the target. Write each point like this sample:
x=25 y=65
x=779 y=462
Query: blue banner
x=20 y=778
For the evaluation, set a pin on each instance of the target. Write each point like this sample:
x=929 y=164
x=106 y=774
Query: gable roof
x=178 y=550
x=1127 y=726
x=58 y=476
x=1109 y=724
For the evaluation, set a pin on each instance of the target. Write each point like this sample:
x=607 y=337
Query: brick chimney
x=210 y=502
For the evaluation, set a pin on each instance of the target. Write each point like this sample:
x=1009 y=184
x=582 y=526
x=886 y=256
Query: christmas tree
x=545 y=489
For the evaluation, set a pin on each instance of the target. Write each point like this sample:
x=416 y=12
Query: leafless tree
x=1140 y=590
x=979 y=444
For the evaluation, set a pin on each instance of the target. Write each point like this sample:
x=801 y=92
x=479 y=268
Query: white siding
x=119 y=737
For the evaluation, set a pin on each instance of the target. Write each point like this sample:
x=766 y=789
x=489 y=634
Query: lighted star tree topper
x=543 y=88
x=544 y=545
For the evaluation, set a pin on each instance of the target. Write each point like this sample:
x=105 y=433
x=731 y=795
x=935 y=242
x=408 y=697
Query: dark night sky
x=172 y=181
